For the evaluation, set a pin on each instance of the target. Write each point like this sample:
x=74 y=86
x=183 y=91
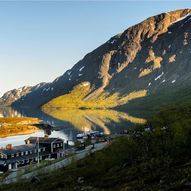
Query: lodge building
x=35 y=149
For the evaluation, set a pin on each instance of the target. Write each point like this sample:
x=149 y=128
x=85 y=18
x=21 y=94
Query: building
x=14 y=157
x=34 y=150
x=55 y=146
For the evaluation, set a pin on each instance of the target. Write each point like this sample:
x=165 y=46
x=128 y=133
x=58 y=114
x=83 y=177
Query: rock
x=80 y=180
x=35 y=179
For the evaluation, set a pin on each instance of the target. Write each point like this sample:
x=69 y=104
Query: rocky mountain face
x=146 y=59
x=13 y=95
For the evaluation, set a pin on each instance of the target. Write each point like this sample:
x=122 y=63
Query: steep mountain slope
x=13 y=95
x=148 y=58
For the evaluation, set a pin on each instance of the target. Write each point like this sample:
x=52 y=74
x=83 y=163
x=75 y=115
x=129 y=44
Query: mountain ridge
x=145 y=57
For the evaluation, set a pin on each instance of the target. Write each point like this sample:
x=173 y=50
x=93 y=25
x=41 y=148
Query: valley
x=66 y=123
x=136 y=87
x=152 y=157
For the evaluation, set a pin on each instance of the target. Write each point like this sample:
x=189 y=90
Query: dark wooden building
x=17 y=156
x=34 y=150
x=55 y=146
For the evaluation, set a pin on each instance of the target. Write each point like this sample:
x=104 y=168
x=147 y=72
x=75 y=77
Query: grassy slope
x=152 y=103
x=76 y=99
x=18 y=126
x=154 y=160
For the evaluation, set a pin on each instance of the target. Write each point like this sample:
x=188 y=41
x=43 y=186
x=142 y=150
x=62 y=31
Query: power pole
x=37 y=150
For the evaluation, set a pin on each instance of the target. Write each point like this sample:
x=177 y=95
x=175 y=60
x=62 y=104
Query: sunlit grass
x=76 y=99
x=17 y=126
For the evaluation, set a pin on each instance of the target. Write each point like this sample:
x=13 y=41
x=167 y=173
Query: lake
x=68 y=123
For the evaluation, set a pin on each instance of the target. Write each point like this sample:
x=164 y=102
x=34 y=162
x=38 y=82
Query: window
x=22 y=153
x=43 y=149
x=61 y=144
x=30 y=152
x=54 y=146
x=58 y=145
x=12 y=155
x=17 y=155
x=26 y=152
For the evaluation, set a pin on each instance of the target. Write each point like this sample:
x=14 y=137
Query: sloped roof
x=18 y=149
x=43 y=139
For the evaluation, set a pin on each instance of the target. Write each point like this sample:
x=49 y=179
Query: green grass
x=159 y=159
x=76 y=99
x=164 y=98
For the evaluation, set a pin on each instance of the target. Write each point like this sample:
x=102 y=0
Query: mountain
x=149 y=59
x=13 y=95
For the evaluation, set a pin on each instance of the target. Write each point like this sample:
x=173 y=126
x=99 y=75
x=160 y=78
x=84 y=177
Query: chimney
x=27 y=142
x=46 y=136
x=9 y=147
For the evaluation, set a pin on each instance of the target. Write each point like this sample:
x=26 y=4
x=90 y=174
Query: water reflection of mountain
x=63 y=128
x=110 y=121
x=9 y=112
x=71 y=122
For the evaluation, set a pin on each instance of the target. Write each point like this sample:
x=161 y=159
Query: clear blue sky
x=41 y=40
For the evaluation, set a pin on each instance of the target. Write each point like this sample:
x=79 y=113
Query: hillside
x=144 y=60
x=13 y=95
x=152 y=157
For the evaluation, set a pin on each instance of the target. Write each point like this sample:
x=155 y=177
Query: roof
x=18 y=149
x=21 y=158
x=2 y=162
x=43 y=139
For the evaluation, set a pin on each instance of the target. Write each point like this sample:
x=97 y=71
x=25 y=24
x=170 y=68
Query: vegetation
x=17 y=126
x=163 y=98
x=152 y=157
x=76 y=99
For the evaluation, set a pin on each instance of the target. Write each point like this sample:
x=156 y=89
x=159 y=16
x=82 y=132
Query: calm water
x=69 y=123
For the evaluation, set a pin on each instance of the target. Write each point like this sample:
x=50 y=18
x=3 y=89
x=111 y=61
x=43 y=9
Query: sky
x=40 y=40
